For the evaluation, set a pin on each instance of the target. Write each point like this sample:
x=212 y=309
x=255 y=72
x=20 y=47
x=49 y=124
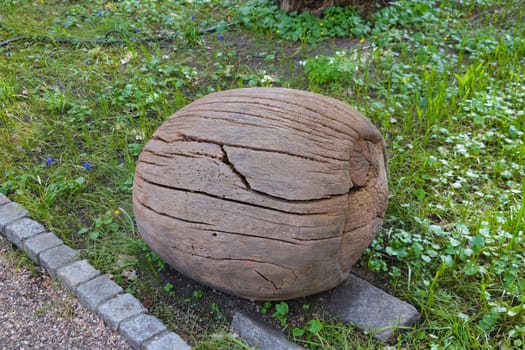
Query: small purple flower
x=8 y=53
x=192 y=17
x=100 y=13
x=87 y=166
x=51 y=56
x=86 y=61
x=221 y=37
x=137 y=30
x=49 y=161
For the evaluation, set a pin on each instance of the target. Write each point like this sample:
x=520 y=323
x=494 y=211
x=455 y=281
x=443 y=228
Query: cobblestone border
x=122 y=312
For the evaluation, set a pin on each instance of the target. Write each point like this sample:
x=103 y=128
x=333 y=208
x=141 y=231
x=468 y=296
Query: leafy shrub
x=330 y=69
x=336 y=22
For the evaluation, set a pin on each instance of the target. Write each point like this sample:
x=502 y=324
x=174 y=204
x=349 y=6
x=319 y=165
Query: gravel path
x=36 y=313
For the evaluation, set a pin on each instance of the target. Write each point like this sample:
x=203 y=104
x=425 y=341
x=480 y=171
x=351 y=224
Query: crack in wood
x=254 y=236
x=338 y=236
x=235 y=200
x=259 y=218
x=359 y=227
x=153 y=163
x=301 y=131
x=355 y=189
x=297 y=201
x=169 y=155
x=293 y=110
x=227 y=161
x=171 y=216
x=235 y=259
x=188 y=138
x=157 y=137
x=266 y=279
x=245 y=181
x=230 y=120
x=182 y=139
x=343 y=111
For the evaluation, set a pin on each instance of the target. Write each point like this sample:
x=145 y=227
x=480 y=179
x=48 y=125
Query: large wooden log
x=264 y=193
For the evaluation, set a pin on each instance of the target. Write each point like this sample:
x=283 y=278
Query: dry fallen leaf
x=129 y=274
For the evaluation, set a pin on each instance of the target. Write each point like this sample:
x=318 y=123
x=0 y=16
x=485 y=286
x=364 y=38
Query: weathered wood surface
x=265 y=193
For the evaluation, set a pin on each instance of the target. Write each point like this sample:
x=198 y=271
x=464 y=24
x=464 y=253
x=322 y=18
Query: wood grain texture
x=264 y=193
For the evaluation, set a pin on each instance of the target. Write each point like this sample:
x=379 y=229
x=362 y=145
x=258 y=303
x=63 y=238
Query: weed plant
x=443 y=80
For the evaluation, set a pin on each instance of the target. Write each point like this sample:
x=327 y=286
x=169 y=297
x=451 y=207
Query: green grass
x=443 y=80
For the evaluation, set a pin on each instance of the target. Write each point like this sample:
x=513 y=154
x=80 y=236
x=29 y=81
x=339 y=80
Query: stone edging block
x=166 y=341
x=97 y=291
x=22 y=229
x=76 y=273
x=39 y=243
x=140 y=328
x=260 y=335
x=10 y=212
x=371 y=308
x=116 y=310
x=56 y=257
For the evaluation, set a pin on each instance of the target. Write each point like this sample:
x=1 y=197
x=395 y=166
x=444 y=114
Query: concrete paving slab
x=76 y=273
x=165 y=341
x=260 y=335
x=10 y=212
x=370 y=308
x=37 y=244
x=116 y=310
x=56 y=257
x=97 y=291
x=138 y=329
